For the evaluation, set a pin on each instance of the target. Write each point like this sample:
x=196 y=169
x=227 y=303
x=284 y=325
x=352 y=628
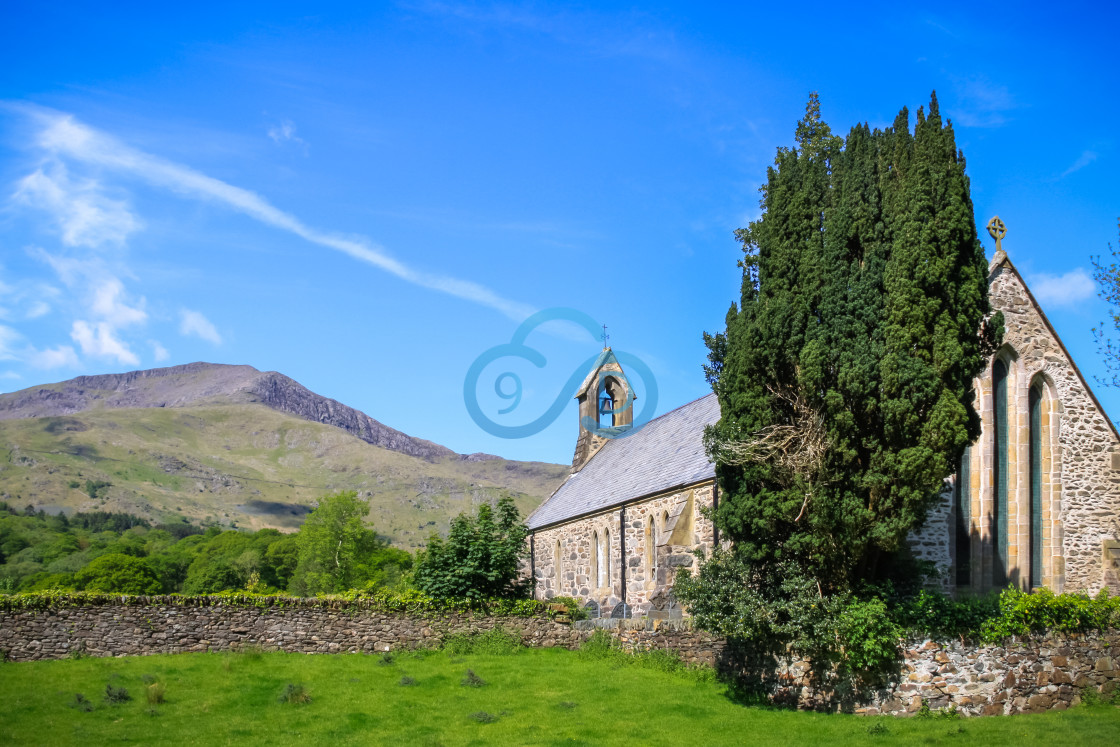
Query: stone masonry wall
x=1080 y=481
x=679 y=528
x=155 y=628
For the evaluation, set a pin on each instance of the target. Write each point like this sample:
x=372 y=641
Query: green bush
x=1021 y=614
x=575 y=610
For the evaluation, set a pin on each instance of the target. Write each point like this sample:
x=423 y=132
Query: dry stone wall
x=169 y=628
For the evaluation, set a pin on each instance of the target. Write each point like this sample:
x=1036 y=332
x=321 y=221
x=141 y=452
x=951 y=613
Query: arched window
x=559 y=564
x=999 y=470
x=596 y=551
x=964 y=520
x=651 y=550
x=605 y=560
x=1035 y=402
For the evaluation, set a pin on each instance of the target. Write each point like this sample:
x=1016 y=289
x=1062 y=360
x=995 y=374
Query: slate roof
x=666 y=452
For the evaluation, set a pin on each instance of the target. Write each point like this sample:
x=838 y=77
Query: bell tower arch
x=606 y=407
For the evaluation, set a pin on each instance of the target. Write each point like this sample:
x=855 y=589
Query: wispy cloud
x=1086 y=158
x=57 y=357
x=1063 y=290
x=8 y=339
x=285 y=132
x=101 y=297
x=159 y=352
x=100 y=340
x=193 y=323
x=85 y=216
x=980 y=102
x=626 y=34
x=63 y=136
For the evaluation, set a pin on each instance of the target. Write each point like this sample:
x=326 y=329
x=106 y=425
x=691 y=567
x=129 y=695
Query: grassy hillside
x=245 y=465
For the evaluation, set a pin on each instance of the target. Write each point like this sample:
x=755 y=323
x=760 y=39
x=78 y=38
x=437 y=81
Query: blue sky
x=366 y=197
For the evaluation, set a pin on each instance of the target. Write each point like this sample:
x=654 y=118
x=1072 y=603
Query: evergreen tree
x=845 y=372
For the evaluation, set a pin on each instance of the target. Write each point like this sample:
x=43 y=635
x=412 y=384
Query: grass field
x=533 y=697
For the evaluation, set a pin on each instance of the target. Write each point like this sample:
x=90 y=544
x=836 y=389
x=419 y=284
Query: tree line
x=334 y=551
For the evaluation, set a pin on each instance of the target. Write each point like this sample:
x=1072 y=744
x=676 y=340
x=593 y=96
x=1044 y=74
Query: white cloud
x=159 y=352
x=1086 y=158
x=1063 y=290
x=107 y=304
x=62 y=135
x=285 y=132
x=84 y=214
x=194 y=323
x=99 y=339
x=981 y=103
x=58 y=357
x=8 y=338
x=10 y=375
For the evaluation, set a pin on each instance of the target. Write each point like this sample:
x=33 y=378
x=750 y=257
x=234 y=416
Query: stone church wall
x=679 y=528
x=1080 y=479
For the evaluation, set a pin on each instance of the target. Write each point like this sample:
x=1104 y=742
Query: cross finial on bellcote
x=605 y=337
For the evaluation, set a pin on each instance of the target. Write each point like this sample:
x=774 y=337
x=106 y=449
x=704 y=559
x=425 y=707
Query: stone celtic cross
x=997 y=229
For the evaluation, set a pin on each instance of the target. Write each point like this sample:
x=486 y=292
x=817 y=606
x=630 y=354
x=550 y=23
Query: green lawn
x=539 y=697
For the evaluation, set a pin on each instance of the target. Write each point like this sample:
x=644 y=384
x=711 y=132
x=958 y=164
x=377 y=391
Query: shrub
x=116 y=695
x=1021 y=613
x=386 y=659
x=470 y=679
x=81 y=703
x=867 y=635
x=575 y=610
x=406 y=681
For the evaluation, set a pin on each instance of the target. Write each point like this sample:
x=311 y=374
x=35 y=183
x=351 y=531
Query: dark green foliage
x=406 y=681
x=118 y=573
x=115 y=695
x=845 y=380
x=857 y=635
x=470 y=679
x=81 y=703
x=97 y=488
x=864 y=290
x=480 y=557
x=41 y=552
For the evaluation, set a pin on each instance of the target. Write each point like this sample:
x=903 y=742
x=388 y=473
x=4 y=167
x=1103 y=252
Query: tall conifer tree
x=845 y=372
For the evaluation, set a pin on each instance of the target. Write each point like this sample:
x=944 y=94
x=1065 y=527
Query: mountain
x=235 y=445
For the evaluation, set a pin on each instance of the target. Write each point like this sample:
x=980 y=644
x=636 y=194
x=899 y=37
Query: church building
x=1036 y=501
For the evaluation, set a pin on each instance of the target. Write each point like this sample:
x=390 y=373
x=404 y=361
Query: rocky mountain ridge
x=212 y=383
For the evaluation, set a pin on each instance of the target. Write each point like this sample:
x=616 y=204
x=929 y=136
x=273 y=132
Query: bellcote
x=606 y=407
